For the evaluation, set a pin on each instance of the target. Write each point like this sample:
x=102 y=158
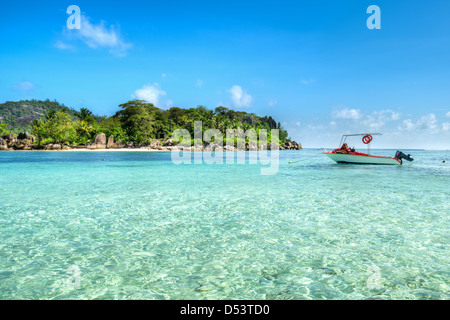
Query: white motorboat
x=345 y=154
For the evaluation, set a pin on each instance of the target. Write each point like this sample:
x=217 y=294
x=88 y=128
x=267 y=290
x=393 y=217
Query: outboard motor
x=400 y=155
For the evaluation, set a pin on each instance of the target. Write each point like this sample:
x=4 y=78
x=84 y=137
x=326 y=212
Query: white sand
x=114 y=150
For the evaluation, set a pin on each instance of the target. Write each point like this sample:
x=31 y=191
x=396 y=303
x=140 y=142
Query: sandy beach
x=115 y=150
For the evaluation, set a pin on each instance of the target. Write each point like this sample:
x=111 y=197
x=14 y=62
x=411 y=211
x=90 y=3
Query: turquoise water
x=138 y=226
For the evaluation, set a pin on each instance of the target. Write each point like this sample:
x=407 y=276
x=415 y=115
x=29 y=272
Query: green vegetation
x=136 y=121
x=20 y=114
x=3 y=129
x=58 y=127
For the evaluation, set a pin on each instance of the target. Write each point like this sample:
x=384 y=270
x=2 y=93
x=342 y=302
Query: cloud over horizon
x=152 y=94
x=240 y=98
x=428 y=122
x=399 y=130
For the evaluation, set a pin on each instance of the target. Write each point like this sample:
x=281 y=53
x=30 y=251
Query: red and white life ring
x=367 y=139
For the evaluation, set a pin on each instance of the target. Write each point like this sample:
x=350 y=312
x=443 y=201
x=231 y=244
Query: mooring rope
x=309 y=158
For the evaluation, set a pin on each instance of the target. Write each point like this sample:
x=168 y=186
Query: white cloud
x=306 y=82
x=447 y=114
x=378 y=119
x=428 y=123
x=387 y=115
x=408 y=125
x=25 y=86
x=163 y=75
x=240 y=98
x=352 y=114
x=395 y=116
x=100 y=36
x=316 y=127
x=373 y=121
x=399 y=130
x=152 y=94
x=63 y=46
x=298 y=123
x=272 y=103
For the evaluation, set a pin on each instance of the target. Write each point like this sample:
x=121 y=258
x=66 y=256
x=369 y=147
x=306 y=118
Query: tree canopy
x=136 y=121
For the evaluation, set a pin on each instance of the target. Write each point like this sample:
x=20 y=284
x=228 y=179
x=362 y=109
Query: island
x=49 y=125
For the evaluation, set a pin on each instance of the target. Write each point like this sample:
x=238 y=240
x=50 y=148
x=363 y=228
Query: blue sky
x=313 y=65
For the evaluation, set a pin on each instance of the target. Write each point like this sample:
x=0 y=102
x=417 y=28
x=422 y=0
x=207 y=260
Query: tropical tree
x=60 y=127
x=85 y=131
x=3 y=129
x=112 y=127
x=39 y=130
x=86 y=115
x=138 y=119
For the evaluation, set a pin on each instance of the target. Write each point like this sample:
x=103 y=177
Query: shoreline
x=158 y=150
x=133 y=150
x=112 y=150
x=26 y=142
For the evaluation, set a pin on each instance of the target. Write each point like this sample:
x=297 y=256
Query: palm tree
x=84 y=114
x=38 y=129
x=246 y=126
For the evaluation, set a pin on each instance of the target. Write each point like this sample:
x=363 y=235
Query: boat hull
x=362 y=159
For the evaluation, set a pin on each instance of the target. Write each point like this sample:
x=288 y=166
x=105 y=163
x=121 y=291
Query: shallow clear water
x=140 y=227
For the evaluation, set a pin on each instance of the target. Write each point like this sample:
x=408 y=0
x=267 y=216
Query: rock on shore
x=3 y=144
x=291 y=145
x=56 y=147
x=110 y=143
x=99 y=142
x=25 y=141
x=155 y=145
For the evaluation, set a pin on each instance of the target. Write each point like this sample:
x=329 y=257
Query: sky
x=314 y=66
